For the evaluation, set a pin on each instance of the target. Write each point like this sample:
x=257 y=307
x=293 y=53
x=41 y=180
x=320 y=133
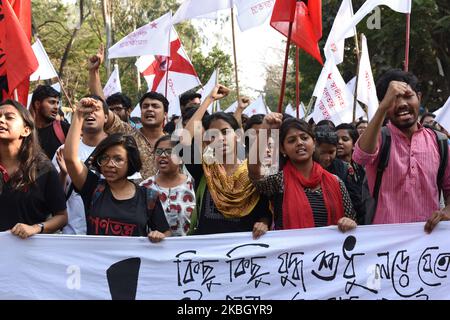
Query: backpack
x=152 y=196
x=370 y=201
x=57 y=128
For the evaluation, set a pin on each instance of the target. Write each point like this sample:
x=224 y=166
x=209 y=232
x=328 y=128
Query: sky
x=256 y=48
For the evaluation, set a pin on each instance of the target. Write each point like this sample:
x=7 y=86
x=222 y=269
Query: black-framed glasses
x=167 y=151
x=117 y=161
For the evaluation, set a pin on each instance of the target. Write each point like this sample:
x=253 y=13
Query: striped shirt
x=408 y=191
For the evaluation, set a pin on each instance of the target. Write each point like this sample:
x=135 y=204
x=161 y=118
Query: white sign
x=371 y=262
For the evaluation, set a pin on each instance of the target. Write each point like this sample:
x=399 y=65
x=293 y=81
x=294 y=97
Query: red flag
x=307 y=23
x=22 y=9
x=17 y=59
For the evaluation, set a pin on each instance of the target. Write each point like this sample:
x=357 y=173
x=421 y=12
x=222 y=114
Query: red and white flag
x=153 y=38
x=181 y=75
x=367 y=92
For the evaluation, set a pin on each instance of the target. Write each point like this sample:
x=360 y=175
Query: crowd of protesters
x=113 y=176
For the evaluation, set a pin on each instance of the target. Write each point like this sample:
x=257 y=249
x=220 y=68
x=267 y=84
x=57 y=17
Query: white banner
x=371 y=262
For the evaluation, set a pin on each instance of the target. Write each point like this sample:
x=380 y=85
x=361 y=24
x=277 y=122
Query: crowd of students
x=111 y=176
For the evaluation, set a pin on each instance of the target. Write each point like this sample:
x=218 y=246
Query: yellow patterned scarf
x=234 y=196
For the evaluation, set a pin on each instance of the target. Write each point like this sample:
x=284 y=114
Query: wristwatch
x=42 y=227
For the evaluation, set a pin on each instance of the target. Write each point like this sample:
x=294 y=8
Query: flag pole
x=408 y=32
x=65 y=94
x=168 y=67
x=358 y=61
x=234 y=53
x=297 y=81
x=286 y=59
x=16 y=95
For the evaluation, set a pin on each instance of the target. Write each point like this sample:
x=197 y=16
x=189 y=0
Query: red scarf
x=297 y=212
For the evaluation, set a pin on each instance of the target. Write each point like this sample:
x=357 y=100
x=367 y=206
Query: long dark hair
x=32 y=159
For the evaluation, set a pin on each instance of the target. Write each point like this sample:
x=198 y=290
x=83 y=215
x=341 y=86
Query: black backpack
x=371 y=201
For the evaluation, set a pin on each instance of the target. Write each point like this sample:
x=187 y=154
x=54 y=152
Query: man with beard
x=409 y=191
x=44 y=107
x=93 y=134
x=154 y=107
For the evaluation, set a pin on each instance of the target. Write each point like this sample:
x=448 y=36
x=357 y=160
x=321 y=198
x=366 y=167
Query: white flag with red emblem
x=149 y=39
x=256 y=107
x=367 y=92
x=181 y=76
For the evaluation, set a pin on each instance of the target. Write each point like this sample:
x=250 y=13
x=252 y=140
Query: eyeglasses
x=160 y=151
x=117 y=161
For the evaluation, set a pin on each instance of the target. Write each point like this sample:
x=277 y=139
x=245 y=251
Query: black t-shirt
x=33 y=204
x=49 y=141
x=112 y=217
x=211 y=220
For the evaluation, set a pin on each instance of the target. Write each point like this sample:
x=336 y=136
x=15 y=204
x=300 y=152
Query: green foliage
x=55 y=23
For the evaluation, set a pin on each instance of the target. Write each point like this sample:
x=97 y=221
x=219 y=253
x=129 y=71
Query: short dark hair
x=119 y=98
x=325 y=134
x=98 y=98
x=166 y=137
x=361 y=121
x=231 y=120
x=330 y=124
x=155 y=96
x=188 y=96
x=427 y=114
x=254 y=120
x=43 y=92
x=396 y=75
x=124 y=140
x=351 y=129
